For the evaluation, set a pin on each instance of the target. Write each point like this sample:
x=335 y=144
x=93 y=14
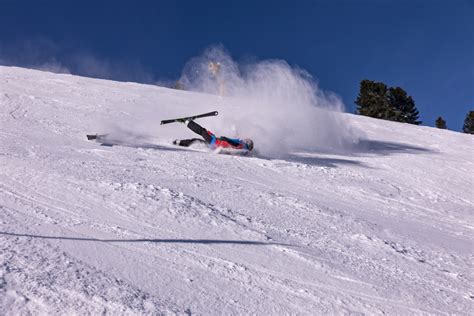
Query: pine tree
x=372 y=99
x=412 y=114
x=441 y=123
x=397 y=99
x=376 y=100
x=468 y=126
x=403 y=107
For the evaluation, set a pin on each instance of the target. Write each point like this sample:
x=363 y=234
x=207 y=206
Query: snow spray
x=280 y=107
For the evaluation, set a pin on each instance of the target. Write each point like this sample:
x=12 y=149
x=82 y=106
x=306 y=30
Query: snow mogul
x=216 y=143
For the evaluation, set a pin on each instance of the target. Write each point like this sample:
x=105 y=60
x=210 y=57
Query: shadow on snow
x=386 y=148
x=311 y=159
x=178 y=241
x=363 y=147
x=138 y=145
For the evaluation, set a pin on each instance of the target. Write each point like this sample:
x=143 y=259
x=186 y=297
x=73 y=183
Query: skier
x=215 y=70
x=213 y=141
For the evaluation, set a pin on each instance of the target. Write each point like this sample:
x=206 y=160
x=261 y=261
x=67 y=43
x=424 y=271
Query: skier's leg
x=198 y=129
x=188 y=142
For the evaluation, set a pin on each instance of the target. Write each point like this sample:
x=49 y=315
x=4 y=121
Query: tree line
x=377 y=100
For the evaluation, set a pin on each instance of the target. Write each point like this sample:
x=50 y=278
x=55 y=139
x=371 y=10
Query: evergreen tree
x=403 y=107
x=372 y=99
x=376 y=100
x=441 y=123
x=468 y=126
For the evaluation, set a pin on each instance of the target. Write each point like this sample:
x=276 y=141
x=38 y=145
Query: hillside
x=382 y=225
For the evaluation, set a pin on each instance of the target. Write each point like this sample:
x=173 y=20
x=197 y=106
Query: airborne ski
x=183 y=119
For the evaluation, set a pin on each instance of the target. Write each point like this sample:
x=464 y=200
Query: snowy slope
x=148 y=228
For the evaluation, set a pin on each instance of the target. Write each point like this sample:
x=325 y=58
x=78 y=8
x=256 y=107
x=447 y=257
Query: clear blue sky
x=424 y=46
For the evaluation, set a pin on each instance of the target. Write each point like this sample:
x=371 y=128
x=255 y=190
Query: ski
x=183 y=119
x=102 y=139
x=97 y=137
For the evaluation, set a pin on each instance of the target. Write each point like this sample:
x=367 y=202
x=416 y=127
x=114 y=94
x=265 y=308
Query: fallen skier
x=244 y=145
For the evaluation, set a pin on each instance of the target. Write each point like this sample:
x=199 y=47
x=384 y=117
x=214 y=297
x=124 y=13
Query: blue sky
x=424 y=46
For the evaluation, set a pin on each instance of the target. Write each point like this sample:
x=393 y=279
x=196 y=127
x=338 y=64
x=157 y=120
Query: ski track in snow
x=139 y=229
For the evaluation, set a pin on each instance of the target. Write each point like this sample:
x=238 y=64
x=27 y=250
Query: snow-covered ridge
x=147 y=228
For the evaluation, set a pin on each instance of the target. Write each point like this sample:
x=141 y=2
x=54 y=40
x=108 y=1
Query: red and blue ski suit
x=211 y=139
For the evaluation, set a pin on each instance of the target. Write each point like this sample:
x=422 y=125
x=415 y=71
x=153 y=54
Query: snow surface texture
x=148 y=228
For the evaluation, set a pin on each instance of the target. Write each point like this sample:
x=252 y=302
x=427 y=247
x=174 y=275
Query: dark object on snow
x=97 y=137
x=94 y=137
x=101 y=138
x=440 y=123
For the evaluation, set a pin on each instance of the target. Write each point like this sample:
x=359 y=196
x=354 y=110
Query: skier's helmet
x=248 y=144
